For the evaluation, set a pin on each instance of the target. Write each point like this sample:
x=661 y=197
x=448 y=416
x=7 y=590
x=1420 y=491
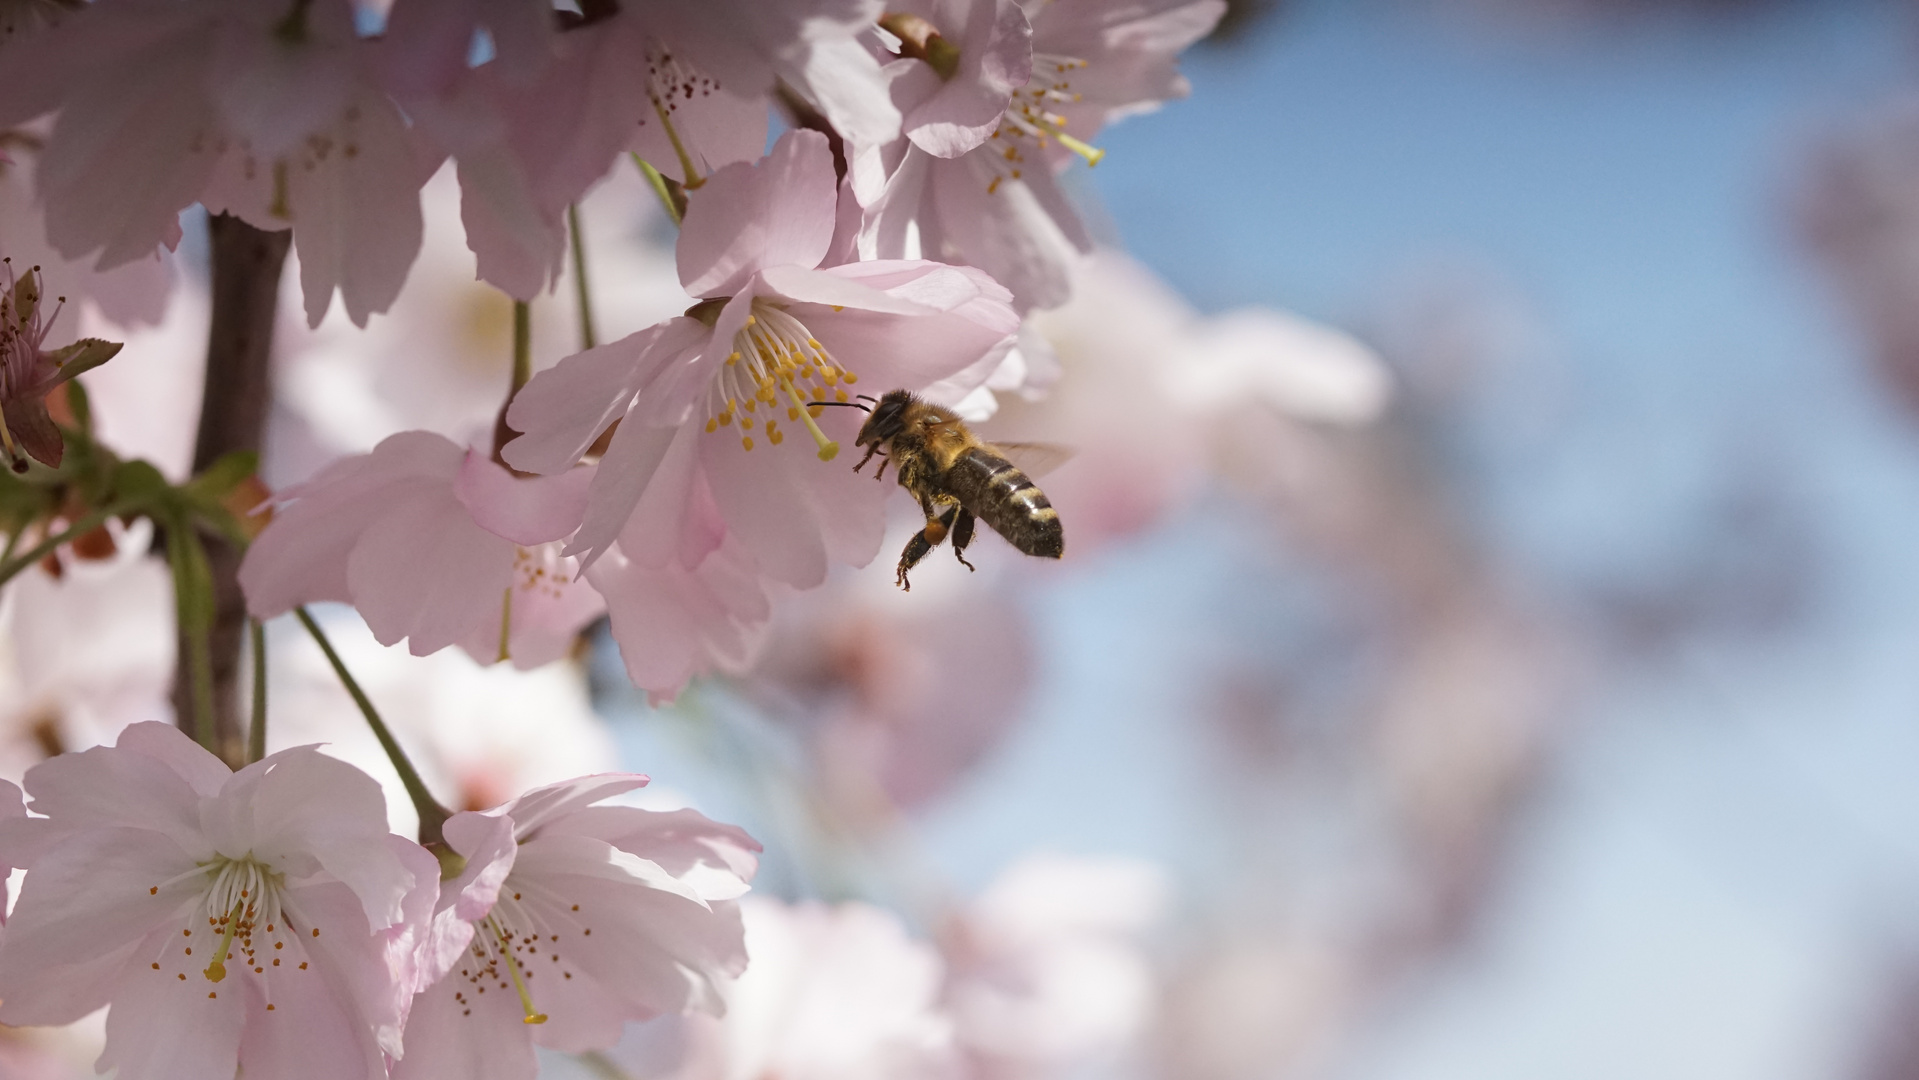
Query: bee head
x=888 y=419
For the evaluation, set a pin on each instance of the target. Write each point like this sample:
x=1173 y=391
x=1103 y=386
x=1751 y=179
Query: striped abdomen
x=999 y=494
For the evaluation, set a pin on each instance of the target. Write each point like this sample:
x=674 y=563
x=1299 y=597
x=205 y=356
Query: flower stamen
x=774 y=354
x=217 y=970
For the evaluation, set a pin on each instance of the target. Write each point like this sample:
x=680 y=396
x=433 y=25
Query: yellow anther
x=814 y=411
x=850 y=378
x=747 y=442
x=792 y=413
x=752 y=403
x=819 y=393
x=815 y=343
x=776 y=437
x=839 y=395
x=726 y=418
x=713 y=424
x=746 y=423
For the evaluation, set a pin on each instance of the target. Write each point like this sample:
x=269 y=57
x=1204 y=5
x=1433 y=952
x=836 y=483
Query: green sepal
x=84 y=355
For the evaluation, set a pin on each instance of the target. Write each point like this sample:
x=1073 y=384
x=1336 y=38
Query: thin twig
x=588 y=338
x=432 y=814
x=257 y=733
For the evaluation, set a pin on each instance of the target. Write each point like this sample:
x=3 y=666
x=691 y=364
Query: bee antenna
x=868 y=397
x=845 y=405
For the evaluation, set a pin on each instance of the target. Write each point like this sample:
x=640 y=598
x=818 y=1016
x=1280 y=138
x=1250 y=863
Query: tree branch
x=233 y=410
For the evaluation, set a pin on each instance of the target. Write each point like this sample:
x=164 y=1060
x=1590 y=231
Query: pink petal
x=300 y=802
x=717 y=127
x=566 y=407
x=836 y=289
x=425 y=572
x=749 y=217
x=168 y=744
x=356 y=210
x=105 y=788
x=526 y=511
x=348 y=963
x=542 y=804
x=486 y=842
x=844 y=80
x=84 y=900
x=652 y=527
x=672 y=622
x=764 y=504
x=162 y=1029
x=482 y=1037
x=519 y=245
x=633 y=460
x=122 y=162
x=996 y=58
x=716 y=860
x=302 y=556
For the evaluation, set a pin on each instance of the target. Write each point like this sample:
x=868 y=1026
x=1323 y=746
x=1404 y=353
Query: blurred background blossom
x=1490 y=639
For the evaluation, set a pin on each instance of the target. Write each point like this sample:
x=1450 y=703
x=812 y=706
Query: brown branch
x=233 y=410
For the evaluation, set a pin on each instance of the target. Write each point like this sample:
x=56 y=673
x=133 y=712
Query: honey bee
x=958 y=478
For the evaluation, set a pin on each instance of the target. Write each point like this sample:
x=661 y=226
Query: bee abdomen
x=1002 y=496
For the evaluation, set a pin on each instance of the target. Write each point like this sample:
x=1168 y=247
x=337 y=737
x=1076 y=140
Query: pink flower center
x=1032 y=119
x=671 y=83
x=774 y=356
x=517 y=942
x=245 y=925
x=24 y=324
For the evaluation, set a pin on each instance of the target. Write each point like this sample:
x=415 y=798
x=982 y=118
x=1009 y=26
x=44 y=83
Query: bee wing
x=1035 y=459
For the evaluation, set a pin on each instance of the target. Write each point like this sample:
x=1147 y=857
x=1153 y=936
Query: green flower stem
x=588 y=338
x=522 y=346
x=257 y=735
x=432 y=814
x=10 y=568
x=660 y=187
x=193 y=607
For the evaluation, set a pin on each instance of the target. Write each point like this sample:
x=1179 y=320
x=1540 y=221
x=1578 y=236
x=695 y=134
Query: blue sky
x=1719 y=876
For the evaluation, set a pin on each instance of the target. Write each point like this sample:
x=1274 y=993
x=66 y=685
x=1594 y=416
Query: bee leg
x=880 y=473
x=870 y=451
x=962 y=536
x=923 y=542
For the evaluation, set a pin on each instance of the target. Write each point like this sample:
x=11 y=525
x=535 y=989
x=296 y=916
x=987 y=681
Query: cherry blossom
x=270 y=112
x=834 y=993
x=133 y=294
x=961 y=62
x=261 y=920
x=887 y=685
x=684 y=84
x=1048 y=973
x=29 y=371
x=673 y=622
x=570 y=918
x=700 y=398
x=999 y=207
x=1128 y=344
x=433 y=544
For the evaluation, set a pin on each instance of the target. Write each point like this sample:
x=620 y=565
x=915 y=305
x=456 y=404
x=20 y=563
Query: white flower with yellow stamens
x=261 y=921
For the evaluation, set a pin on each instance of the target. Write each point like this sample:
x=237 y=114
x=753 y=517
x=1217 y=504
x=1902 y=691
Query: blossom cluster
x=265 y=920
x=867 y=199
